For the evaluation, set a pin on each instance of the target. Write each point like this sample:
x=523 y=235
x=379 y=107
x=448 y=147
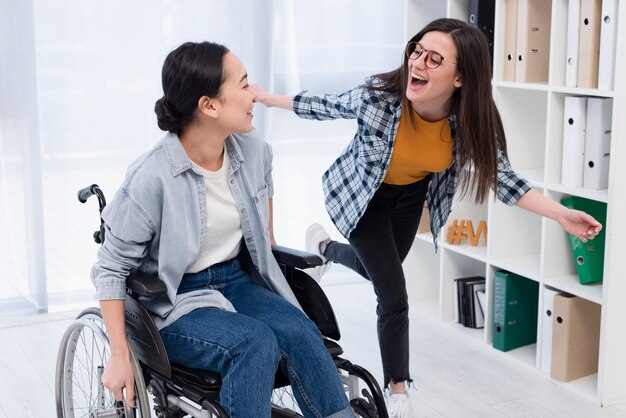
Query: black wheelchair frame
x=180 y=391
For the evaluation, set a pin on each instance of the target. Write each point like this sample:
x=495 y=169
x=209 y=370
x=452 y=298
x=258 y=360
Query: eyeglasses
x=432 y=59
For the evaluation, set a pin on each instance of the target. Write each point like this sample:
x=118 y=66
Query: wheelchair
x=173 y=391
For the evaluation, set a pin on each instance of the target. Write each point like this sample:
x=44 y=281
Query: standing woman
x=424 y=130
x=186 y=211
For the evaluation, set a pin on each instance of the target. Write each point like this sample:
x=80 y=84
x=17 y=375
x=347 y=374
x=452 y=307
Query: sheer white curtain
x=79 y=79
x=323 y=46
x=99 y=74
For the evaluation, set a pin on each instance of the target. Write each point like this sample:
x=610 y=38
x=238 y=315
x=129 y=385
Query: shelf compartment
x=422 y=269
x=515 y=240
x=524 y=115
x=465 y=209
x=455 y=266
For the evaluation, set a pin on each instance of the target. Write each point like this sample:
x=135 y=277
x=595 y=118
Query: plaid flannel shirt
x=351 y=181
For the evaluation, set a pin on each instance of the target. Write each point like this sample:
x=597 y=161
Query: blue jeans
x=248 y=346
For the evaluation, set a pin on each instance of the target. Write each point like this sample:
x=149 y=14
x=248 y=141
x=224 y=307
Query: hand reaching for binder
x=580 y=224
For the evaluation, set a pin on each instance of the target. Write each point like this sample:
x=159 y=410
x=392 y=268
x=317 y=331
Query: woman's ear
x=458 y=82
x=208 y=106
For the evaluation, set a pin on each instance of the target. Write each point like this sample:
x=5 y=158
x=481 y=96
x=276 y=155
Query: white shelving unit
x=522 y=242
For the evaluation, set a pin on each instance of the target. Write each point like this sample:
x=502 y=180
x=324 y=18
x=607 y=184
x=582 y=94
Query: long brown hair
x=479 y=126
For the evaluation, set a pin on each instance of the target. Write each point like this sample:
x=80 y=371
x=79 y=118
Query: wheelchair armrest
x=144 y=285
x=295 y=258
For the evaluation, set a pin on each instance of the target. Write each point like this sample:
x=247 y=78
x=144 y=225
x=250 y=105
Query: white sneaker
x=399 y=406
x=315 y=241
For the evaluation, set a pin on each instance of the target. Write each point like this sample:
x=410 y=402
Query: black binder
x=482 y=14
x=468 y=311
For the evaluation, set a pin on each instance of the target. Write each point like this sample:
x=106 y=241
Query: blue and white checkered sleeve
x=328 y=106
x=511 y=186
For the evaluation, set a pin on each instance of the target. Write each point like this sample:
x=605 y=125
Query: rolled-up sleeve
x=128 y=230
x=511 y=186
x=329 y=106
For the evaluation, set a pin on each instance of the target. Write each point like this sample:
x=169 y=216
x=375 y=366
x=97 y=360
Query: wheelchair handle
x=84 y=194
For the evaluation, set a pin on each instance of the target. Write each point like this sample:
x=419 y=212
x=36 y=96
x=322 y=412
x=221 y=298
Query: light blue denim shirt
x=156 y=223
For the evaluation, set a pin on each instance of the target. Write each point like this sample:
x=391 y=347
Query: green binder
x=588 y=256
x=515 y=304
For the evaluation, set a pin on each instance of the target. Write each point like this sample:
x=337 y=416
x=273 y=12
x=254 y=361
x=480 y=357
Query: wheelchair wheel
x=284 y=403
x=83 y=354
x=364 y=393
x=362 y=390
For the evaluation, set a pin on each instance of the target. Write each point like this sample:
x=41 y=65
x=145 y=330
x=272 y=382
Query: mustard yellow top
x=419 y=150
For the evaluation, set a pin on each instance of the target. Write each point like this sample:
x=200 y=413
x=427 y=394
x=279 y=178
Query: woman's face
x=236 y=101
x=430 y=90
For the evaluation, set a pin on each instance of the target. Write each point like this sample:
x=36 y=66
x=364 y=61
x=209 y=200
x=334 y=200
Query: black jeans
x=378 y=246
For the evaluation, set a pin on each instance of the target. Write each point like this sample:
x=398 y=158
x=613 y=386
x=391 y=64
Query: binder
x=510 y=41
x=466 y=301
x=575 y=339
x=598 y=143
x=482 y=14
x=574 y=131
x=478 y=317
x=515 y=304
x=481 y=295
x=588 y=256
x=589 y=44
x=547 y=328
x=608 y=33
x=533 y=40
x=573 y=35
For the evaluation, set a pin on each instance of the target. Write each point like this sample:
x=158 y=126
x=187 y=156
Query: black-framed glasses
x=432 y=59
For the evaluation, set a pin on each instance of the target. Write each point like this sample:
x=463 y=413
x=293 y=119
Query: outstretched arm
x=326 y=106
x=576 y=222
x=271 y=100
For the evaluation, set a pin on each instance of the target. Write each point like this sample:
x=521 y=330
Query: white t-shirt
x=223 y=227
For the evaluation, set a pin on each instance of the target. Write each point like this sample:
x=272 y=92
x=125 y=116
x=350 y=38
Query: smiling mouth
x=416 y=80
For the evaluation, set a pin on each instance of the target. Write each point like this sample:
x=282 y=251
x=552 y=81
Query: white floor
x=453 y=377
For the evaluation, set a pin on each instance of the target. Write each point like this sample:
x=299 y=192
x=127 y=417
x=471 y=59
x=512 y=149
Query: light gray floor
x=453 y=378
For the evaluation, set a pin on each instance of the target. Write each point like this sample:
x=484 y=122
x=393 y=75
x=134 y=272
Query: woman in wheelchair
x=187 y=211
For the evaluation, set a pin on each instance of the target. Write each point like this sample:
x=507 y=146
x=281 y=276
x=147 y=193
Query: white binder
x=546 y=328
x=608 y=33
x=573 y=34
x=598 y=143
x=479 y=313
x=574 y=126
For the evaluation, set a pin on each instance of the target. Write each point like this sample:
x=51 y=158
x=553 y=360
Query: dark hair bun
x=167 y=117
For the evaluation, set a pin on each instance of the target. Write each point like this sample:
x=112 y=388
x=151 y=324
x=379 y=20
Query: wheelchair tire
x=83 y=354
x=284 y=403
x=364 y=393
